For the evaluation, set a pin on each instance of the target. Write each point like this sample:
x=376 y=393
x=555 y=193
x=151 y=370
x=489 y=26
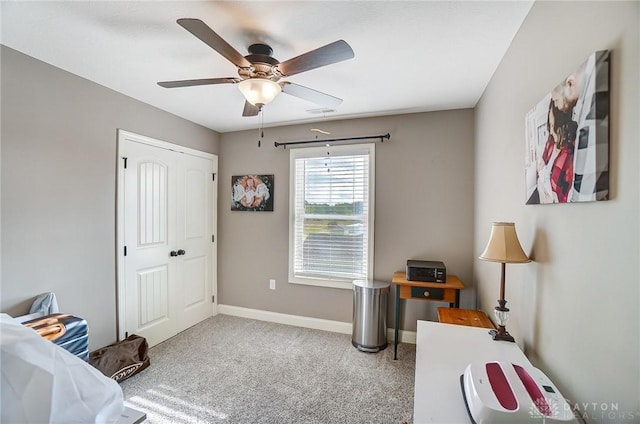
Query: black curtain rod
x=366 y=137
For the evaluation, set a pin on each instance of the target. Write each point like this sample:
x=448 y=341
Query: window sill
x=346 y=285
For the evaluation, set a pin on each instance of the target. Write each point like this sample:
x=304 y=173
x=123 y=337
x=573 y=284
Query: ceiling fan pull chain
x=261 y=129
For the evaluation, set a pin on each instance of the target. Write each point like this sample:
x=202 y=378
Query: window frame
x=321 y=152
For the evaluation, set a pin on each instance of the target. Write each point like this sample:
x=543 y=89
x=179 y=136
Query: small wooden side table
x=468 y=317
x=421 y=290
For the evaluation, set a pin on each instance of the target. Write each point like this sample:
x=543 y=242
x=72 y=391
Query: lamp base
x=501 y=334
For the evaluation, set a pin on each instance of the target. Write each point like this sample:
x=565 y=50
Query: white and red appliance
x=502 y=392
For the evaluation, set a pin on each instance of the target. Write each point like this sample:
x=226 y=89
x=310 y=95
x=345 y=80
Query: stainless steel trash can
x=370 y=300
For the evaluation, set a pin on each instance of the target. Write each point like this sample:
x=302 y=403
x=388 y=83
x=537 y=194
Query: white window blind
x=332 y=214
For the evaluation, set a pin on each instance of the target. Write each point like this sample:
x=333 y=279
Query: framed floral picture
x=567 y=136
x=252 y=193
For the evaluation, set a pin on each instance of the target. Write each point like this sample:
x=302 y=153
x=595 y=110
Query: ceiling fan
x=260 y=73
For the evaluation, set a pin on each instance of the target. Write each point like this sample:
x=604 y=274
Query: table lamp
x=505 y=248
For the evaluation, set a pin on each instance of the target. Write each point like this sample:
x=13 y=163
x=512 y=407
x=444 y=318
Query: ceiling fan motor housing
x=263 y=65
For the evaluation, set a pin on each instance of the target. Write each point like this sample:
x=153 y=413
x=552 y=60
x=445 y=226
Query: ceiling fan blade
x=213 y=40
x=322 y=56
x=191 y=83
x=250 y=110
x=310 y=94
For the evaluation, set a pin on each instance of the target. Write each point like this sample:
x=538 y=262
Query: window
x=331 y=215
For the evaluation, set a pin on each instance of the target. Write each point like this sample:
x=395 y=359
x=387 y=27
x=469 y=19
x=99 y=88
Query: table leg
x=396 y=323
x=457 y=298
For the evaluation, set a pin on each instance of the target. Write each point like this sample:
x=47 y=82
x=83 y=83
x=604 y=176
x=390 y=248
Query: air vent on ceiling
x=320 y=111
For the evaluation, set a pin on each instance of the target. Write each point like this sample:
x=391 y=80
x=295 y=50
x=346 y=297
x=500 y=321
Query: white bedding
x=43 y=383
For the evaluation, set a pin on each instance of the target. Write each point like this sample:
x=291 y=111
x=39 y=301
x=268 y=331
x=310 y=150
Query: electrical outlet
x=272 y=284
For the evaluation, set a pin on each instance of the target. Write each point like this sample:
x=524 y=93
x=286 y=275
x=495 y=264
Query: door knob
x=173 y=253
x=181 y=252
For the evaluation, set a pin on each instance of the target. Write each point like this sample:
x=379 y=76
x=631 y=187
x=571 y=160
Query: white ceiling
x=409 y=56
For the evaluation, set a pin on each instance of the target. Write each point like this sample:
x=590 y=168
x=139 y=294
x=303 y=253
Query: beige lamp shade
x=503 y=245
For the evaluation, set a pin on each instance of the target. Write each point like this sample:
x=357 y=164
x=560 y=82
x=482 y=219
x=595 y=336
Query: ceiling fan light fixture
x=259 y=90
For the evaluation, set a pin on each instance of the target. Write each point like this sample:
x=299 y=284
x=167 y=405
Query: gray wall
x=424 y=210
x=576 y=307
x=59 y=138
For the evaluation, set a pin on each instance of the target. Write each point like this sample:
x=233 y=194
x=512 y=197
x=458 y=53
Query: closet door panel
x=149 y=216
x=194 y=232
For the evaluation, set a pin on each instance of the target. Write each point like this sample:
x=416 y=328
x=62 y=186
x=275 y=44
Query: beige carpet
x=234 y=370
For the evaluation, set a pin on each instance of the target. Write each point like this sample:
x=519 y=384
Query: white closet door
x=193 y=237
x=149 y=217
x=167 y=206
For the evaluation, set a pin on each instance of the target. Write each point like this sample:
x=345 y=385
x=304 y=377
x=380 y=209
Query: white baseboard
x=403 y=336
x=295 y=320
x=306 y=322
